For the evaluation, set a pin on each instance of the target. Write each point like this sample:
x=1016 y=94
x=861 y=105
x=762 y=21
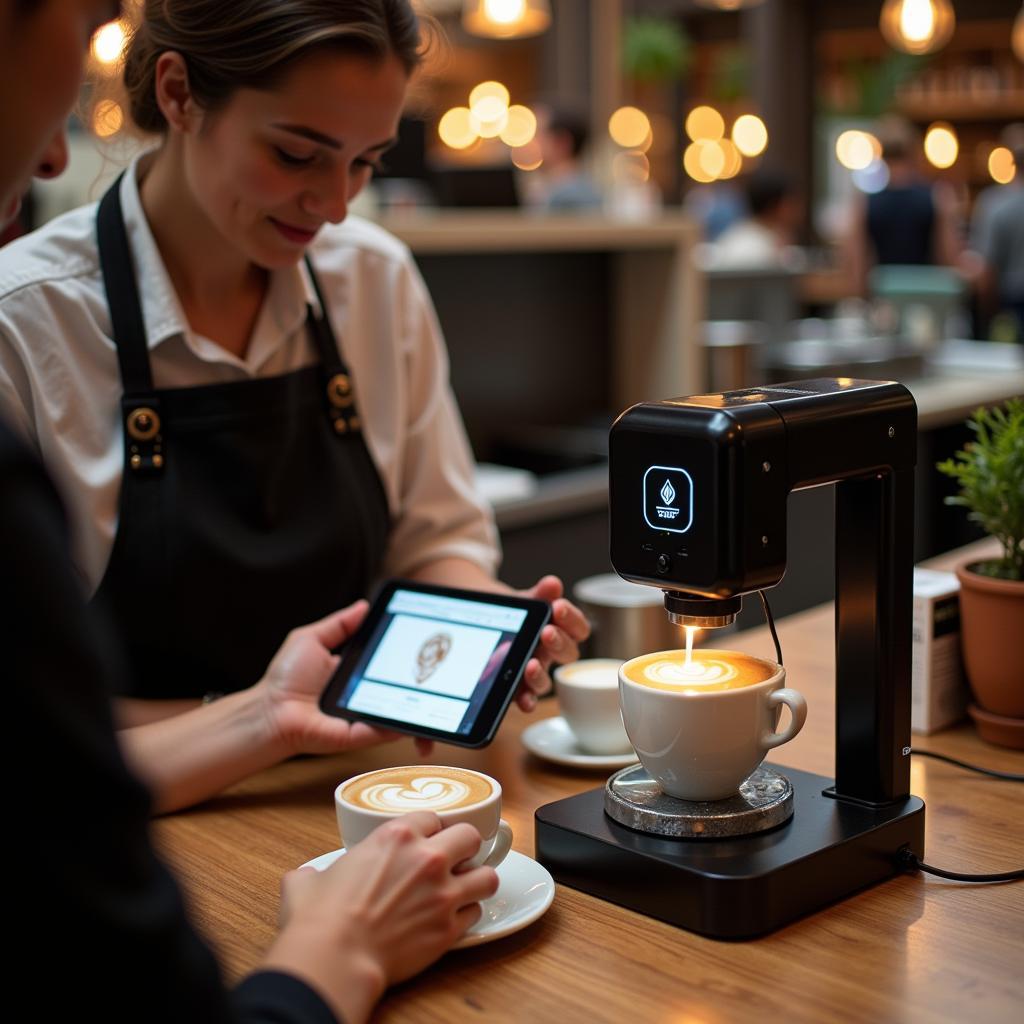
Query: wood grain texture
x=916 y=949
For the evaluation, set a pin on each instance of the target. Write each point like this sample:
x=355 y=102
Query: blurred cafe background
x=620 y=200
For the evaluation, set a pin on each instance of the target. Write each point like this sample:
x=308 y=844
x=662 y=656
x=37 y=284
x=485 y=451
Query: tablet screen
x=431 y=660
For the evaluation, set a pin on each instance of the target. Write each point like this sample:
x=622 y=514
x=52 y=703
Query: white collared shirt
x=61 y=385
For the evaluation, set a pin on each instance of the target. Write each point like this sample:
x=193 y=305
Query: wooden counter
x=915 y=949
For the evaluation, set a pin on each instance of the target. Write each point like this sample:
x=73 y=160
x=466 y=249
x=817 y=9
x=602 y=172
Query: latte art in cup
x=425 y=789
x=707 y=671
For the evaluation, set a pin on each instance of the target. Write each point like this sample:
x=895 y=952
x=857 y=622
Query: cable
x=909 y=862
x=1008 y=776
x=771 y=626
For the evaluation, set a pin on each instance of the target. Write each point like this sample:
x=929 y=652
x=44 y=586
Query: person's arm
x=380 y=914
x=190 y=757
x=100 y=924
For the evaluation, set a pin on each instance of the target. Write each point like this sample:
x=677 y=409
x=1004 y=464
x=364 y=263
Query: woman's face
x=41 y=58
x=272 y=166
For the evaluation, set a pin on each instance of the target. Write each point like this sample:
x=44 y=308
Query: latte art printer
x=697 y=494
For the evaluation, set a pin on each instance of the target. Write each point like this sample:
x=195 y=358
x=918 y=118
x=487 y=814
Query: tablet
x=436 y=662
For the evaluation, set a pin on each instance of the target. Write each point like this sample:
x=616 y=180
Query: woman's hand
x=384 y=911
x=291 y=688
x=559 y=640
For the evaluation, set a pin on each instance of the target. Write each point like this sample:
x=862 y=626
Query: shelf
x=957 y=107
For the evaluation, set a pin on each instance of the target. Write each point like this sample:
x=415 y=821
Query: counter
x=915 y=949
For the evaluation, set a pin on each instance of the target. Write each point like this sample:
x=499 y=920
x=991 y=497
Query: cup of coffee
x=588 y=694
x=367 y=801
x=700 y=727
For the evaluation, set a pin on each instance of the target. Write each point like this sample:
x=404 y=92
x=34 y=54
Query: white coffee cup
x=368 y=801
x=588 y=694
x=700 y=742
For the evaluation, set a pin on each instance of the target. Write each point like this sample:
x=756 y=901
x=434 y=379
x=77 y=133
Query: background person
x=99 y=922
x=242 y=391
x=565 y=184
x=909 y=222
x=767 y=236
x=997 y=237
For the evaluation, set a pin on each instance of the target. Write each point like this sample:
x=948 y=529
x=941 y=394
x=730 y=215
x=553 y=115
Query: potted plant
x=990 y=472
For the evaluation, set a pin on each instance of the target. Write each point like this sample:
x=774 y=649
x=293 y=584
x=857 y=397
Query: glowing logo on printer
x=668 y=499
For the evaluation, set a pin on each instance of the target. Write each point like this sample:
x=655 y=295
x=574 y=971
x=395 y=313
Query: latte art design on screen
x=431 y=654
x=694 y=673
x=427 y=793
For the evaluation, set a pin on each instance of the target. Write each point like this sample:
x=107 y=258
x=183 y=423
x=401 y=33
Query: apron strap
x=140 y=406
x=123 y=294
x=341 y=399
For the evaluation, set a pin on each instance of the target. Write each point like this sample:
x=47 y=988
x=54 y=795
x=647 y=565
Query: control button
x=664 y=564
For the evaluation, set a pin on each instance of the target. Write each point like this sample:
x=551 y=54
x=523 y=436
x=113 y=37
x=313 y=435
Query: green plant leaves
x=990 y=472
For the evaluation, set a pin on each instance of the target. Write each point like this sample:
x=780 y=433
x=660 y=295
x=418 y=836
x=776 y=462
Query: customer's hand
x=384 y=911
x=291 y=687
x=559 y=640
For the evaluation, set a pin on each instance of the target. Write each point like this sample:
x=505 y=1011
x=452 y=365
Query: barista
x=245 y=399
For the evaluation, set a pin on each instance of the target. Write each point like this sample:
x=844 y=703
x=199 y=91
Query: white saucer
x=552 y=740
x=525 y=891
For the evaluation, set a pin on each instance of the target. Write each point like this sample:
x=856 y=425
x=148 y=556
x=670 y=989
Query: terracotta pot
x=992 y=624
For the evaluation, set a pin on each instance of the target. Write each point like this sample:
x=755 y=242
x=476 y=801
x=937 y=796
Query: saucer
x=525 y=891
x=552 y=740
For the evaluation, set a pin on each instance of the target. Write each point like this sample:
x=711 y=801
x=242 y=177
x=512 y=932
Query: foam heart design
x=427 y=793
x=678 y=673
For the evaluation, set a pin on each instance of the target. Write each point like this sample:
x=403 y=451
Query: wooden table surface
x=916 y=948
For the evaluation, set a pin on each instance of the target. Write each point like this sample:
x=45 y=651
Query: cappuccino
x=706 y=671
x=454 y=794
x=422 y=788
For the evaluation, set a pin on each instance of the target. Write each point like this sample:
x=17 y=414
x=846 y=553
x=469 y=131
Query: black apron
x=246 y=509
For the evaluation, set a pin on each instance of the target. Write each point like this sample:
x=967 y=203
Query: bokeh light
x=1001 y=165
x=456 y=130
x=107 y=118
x=750 y=135
x=527 y=158
x=733 y=159
x=108 y=42
x=856 y=150
x=704 y=160
x=504 y=12
x=629 y=127
x=705 y=123
x=873 y=178
x=941 y=146
x=631 y=166
x=521 y=126
x=487 y=91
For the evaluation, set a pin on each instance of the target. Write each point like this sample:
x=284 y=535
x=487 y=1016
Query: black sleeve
x=274 y=998
x=98 y=923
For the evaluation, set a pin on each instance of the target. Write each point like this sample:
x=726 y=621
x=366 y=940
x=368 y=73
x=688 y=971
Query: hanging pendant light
x=506 y=19
x=727 y=5
x=1017 y=39
x=917 y=26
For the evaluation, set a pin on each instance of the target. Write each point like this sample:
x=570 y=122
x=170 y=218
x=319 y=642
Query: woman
x=98 y=922
x=244 y=398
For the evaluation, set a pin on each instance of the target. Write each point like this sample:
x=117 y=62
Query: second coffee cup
x=588 y=695
x=367 y=801
x=700 y=729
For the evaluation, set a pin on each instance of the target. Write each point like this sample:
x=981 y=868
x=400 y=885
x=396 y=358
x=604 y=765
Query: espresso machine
x=697 y=496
